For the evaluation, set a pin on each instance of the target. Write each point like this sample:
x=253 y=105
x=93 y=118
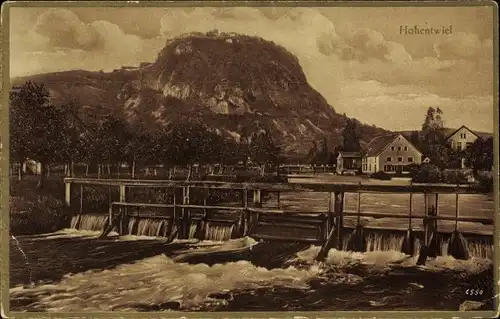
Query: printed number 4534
x=474 y=292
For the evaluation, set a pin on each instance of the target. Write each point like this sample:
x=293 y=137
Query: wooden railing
x=329 y=223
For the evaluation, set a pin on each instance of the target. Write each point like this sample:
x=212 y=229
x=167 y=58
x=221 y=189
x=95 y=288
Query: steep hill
x=238 y=84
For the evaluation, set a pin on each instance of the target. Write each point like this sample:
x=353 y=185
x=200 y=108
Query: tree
x=38 y=127
x=114 y=136
x=263 y=151
x=319 y=153
x=432 y=128
x=479 y=155
x=136 y=150
x=433 y=140
x=311 y=155
x=223 y=151
x=190 y=142
x=415 y=139
x=73 y=148
x=350 y=136
x=21 y=122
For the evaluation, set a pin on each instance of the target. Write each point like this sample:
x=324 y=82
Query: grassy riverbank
x=34 y=210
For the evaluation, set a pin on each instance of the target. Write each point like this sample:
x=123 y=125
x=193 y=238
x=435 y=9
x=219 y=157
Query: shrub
x=413 y=169
x=427 y=173
x=454 y=177
x=43 y=215
x=485 y=181
x=95 y=198
x=381 y=175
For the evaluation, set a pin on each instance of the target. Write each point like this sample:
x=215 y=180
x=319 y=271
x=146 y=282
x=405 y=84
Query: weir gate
x=190 y=214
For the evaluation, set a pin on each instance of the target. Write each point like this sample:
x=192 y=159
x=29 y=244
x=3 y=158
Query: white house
x=391 y=153
x=462 y=138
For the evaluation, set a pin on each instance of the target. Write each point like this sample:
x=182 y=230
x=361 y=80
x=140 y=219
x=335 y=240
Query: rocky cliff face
x=238 y=84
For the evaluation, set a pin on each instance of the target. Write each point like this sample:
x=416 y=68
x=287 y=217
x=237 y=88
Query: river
x=72 y=270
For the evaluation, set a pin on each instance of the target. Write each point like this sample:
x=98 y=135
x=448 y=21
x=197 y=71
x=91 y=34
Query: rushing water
x=74 y=270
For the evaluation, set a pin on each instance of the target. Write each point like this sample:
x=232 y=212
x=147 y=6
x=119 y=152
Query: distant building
x=462 y=138
x=31 y=166
x=348 y=161
x=391 y=154
x=127 y=67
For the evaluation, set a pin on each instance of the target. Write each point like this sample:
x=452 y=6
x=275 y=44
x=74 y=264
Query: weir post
x=67 y=197
x=433 y=241
x=79 y=217
x=123 y=211
x=430 y=247
x=335 y=233
x=257 y=199
x=339 y=212
x=177 y=213
x=331 y=213
x=81 y=199
x=202 y=224
x=253 y=218
x=244 y=217
x=185 y=223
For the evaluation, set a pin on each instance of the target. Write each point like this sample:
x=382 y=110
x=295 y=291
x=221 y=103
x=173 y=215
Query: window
x=400 y=159
x=392 y=148
x=406 y=148
x=410 y=159
x=459 y=146
x=388 y=159
x=468 y=144
x=399 y=148
x=370 y=167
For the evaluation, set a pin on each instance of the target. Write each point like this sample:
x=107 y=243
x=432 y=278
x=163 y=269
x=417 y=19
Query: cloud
x=63 y=29
x=406 y=105
x=459 y=46
x=359 y=71
x=59 y=35
x=364 y=45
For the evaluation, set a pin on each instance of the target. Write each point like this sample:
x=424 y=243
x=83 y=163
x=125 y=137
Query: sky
x=363 y=60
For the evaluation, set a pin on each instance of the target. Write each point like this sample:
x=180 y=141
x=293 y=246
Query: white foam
x=392 y=257
x=72 y=233
x=158 y=280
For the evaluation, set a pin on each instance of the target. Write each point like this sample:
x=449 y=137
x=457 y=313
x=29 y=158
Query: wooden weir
x=252 y=220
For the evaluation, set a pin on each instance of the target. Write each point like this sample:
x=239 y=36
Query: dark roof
x=350 y=154
x=483 y=135
x=480 y=135
x=378 y=144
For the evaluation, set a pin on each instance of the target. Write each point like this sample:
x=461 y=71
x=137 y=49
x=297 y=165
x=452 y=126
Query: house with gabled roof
x=462 y=138
x=391 y=153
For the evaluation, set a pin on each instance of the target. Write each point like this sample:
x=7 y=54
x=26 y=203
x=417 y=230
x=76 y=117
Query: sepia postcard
x=283 y=159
